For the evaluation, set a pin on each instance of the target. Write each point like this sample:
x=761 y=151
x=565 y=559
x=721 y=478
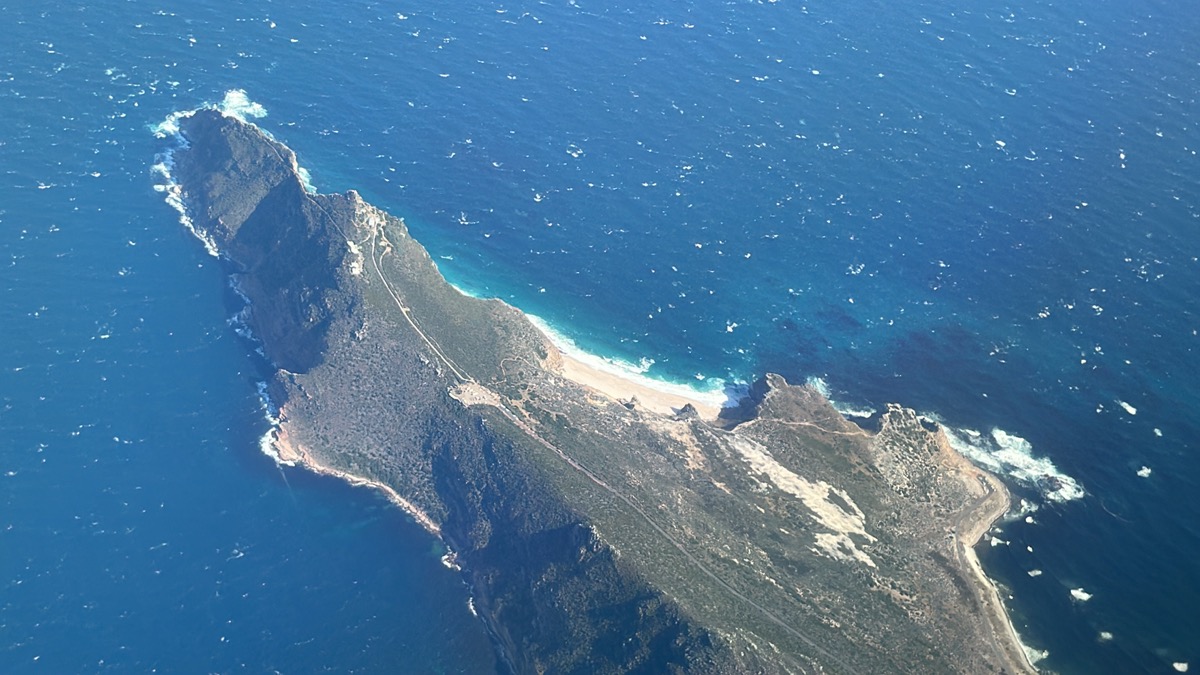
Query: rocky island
x=601 y=529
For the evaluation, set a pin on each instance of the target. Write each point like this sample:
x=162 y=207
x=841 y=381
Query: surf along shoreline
x=291 y=454
x=667 y=399
x=977 y=519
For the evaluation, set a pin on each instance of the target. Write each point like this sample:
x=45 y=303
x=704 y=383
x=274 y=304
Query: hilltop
x=599 y=534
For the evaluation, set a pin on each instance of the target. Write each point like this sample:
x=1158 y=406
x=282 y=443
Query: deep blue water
x=988 y=213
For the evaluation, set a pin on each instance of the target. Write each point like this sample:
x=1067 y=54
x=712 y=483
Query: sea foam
x=234 y=104
x=845 y=409
x=163 y=169
x=998 y=451
x=1011 y=455
x=237 y=104
x=1034 y=655
x=266 y=442
x=715 y=392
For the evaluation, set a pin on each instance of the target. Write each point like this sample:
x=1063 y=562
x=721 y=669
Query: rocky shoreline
x=599 y=535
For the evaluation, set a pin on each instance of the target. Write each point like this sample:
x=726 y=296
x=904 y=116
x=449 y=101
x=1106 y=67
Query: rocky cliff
x=598 y=536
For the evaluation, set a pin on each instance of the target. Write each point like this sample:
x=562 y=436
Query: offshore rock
x=597 y=536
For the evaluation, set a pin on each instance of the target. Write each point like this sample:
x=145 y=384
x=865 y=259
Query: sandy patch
x=622 y=389
x=843 y=516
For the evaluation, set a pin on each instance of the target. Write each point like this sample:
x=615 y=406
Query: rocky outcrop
x=598 y=537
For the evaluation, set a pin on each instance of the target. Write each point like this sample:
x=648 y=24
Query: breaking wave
x=998 y=451
x=715 y=391
x=235 y=104
x=163 y=170
x=845 y=409
x=1010 y=455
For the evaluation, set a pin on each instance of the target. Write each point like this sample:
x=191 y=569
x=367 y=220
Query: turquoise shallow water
x=987 y=213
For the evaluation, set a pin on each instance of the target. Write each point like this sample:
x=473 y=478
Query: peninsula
x=602 y=529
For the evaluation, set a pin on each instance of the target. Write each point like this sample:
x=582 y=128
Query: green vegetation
x=598 y=538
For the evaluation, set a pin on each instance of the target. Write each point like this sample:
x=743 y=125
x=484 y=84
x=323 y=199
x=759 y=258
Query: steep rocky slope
x=597 y=536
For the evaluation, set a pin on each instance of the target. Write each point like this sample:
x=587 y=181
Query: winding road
x=470 y=391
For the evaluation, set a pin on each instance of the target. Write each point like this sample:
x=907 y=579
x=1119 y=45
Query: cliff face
x=598 y=537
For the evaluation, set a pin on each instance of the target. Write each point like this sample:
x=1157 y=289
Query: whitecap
x=820 y=385
x=1034 y=655
x=1012 y=456
x=1144 y=472
x=164 y=169
x=270 y=410
x=1024 y=511
x=169 y=127
x=240 y=323
x=714 y=392
x=266 y=445
x=464 y=291
x=850 y=411
x=844 y=409
x=306 y=180
x=237 y=104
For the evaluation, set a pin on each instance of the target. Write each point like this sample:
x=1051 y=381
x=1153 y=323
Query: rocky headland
x=599 y=534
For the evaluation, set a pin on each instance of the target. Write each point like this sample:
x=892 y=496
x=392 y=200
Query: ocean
x=988 y=213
